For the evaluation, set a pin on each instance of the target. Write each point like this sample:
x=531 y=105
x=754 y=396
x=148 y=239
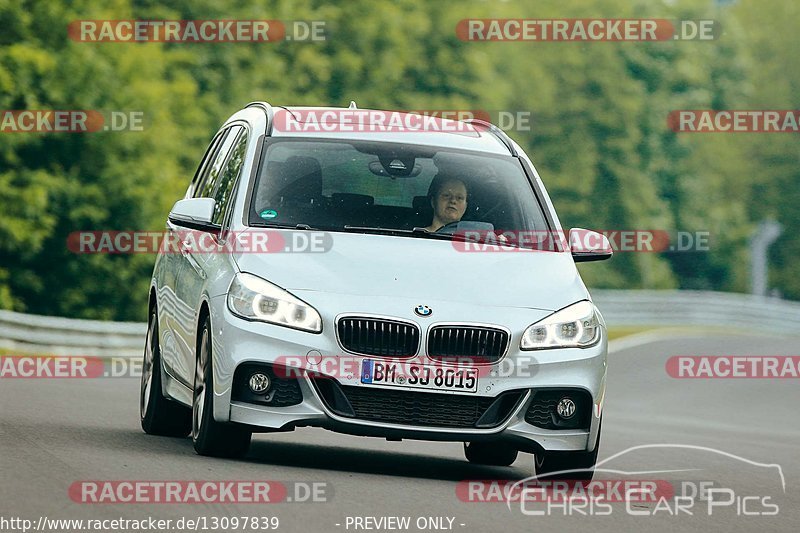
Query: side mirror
x=587 y=245
x=194 y=213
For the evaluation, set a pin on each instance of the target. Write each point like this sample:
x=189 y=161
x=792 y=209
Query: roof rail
x=267 y=109
x=500 y=134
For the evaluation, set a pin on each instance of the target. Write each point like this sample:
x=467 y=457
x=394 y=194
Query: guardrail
x=67 y=336
x=698 y=308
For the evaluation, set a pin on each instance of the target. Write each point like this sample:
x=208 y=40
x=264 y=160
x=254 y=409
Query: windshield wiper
x=462 y=237
x=424 y=233
x=415 y=231
x=380 y=230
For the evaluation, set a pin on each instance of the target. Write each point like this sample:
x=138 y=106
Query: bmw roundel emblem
x=423 y=310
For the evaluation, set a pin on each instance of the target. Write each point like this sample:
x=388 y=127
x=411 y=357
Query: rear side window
x=226 y=183
x=208 y=182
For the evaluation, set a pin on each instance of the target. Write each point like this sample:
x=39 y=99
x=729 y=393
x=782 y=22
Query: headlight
x=576 y=326
x=253 y=298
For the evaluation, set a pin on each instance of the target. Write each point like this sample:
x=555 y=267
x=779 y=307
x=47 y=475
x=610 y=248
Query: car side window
x=226 y=184
x=208 y=182
x=205 y=163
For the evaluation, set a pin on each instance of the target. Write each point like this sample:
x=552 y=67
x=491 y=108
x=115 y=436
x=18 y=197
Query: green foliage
x=599 y=138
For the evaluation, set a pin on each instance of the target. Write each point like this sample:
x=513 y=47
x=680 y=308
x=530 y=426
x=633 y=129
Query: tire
x=159 y=415
x=580 y=465
x=210 y=437
x=490 y=453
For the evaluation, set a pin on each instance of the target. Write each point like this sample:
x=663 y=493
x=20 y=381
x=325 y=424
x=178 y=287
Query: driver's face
x=451 y=202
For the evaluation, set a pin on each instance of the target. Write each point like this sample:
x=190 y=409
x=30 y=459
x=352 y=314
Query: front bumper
x=238 y=341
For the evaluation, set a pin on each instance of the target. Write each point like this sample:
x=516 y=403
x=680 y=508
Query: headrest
x=420 y=203
x=297 y=179
x=352 y=201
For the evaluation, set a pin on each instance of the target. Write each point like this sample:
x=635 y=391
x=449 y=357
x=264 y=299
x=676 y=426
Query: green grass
x=618 y=333
x=5 y=352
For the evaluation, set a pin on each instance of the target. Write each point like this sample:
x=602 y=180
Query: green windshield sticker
x=268 y=213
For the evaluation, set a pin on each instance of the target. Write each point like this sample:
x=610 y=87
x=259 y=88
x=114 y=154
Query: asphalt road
x=54 y=432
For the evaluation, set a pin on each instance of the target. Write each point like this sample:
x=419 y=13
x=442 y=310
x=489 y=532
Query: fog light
x=565 y=408
x=259 y=383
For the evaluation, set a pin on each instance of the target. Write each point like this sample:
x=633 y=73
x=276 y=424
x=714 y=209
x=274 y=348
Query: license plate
x=419 y=376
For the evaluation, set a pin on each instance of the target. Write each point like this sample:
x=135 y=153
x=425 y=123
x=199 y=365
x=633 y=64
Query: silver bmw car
x=401 y=278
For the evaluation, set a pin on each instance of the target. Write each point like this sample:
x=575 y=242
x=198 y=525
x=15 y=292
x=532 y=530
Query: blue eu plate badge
x=366 y=371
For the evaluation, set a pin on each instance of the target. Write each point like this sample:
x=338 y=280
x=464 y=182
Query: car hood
x=398 y=266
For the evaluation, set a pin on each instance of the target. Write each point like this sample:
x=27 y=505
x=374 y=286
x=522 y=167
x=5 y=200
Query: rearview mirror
x=194 y=213
x=376 y=167
x=587 y=245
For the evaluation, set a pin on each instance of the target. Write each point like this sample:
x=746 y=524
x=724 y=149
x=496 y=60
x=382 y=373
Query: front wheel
x=159 y=415
x=209 y=436
x=490 y=453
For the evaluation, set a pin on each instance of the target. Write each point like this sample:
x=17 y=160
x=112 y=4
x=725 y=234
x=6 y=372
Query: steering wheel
x=448 y=228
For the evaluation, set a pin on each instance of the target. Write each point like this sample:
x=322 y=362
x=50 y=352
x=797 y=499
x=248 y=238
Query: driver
x=449 y=201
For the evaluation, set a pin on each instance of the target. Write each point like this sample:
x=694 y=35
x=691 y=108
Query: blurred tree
x=599 y=137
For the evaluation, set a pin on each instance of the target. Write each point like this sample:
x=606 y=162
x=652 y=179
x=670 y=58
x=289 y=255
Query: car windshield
x=372 y=187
